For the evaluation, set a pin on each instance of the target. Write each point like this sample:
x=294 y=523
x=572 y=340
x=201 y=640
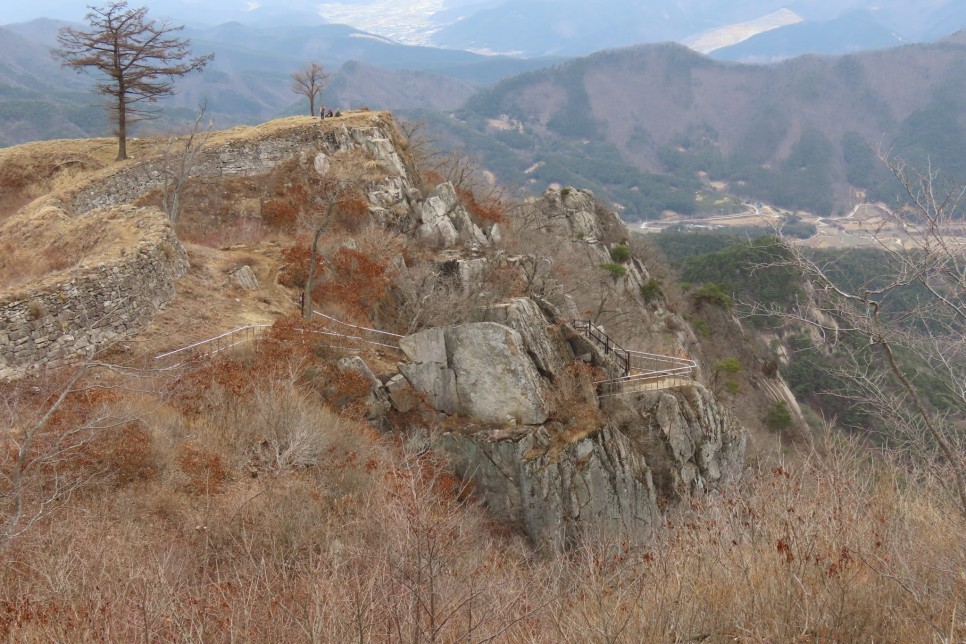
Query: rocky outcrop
x=544 y=341
x=443 y=221
x=480 y=370
x=692 y=441
x=559 y=493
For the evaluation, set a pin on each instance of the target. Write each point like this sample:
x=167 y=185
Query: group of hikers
x=327 y=113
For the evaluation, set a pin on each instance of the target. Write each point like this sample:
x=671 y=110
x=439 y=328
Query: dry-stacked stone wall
x=72 y=315
x=69 y=316
x=241 y=157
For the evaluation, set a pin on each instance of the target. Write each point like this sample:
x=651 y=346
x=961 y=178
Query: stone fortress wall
x=70 y=315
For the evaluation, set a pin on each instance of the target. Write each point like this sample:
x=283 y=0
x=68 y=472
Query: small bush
x=620 y=254
x=616 y=270
x=651 y=291
x=36 y=310
x=484 y=211
x=778 y=416
x=729 y=366
x=701 y=328
x=713 y=294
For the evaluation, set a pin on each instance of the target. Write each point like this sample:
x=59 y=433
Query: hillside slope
x=796 y=133
x=448 y=467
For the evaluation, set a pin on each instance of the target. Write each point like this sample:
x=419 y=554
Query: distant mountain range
x=578 y=27
x=650 y=126
x=852 y=32
x=248 y=81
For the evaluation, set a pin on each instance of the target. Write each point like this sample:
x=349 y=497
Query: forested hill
x=796 y=133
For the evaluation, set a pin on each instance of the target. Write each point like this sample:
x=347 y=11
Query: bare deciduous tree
x=178 y=160
x=138 y=59
x=308 y=82
x=899 y=363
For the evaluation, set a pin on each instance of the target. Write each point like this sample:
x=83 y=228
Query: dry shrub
x=484 y=211
x=358 y=282
x=247 y=231
x=573 y=398
x=123 y=453
x=831 y=550
x=431 y=179
x=368 y=544
x=204 y=468
x=280 y=214
x=347 y=391
x=352 y=211
x=294 y=268
x=505 y=282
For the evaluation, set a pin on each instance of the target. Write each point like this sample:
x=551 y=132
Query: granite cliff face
x=562 y=477
x=540 y=444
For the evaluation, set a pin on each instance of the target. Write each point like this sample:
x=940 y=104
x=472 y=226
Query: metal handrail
x=633 y=362
x=597 y=334
x=356 y=326
x=350 y=337
x=213 y=345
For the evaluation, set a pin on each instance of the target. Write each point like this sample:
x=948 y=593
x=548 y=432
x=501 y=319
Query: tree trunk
x=310 y=279
x=121 y=125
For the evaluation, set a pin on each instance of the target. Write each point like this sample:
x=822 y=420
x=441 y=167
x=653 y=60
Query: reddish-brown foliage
x=294 y=269
x=358 y=282
x=280 y=214
x=204 y=468
x=505 y=282
x=121 y=453
x=484 y=211
x=352 y=211
x=432 y=178
x=189 y=393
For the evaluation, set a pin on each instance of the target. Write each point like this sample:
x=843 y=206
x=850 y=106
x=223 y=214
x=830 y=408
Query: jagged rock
x=444 y=221
x=584 y=224
x=481 y=370
x=433 y=214
x=355 y=364
x=549 y=351
x=377 y=400
x=599 y=484
x=401 y=394
x=245 y=278
x=430 y=372
x=703 y=443
x=321 y=164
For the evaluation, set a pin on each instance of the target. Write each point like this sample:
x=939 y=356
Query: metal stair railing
x=620 y=355
x=642 y=371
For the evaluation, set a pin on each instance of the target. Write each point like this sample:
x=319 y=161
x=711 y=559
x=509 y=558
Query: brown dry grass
x=32 y=171
x=251 y=511
x=47 y=241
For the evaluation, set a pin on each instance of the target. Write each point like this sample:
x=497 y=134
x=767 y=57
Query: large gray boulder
x=545 y=342
x=480 y=370
x=559 y=494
